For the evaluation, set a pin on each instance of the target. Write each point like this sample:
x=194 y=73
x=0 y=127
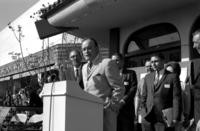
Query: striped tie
x=89 y=67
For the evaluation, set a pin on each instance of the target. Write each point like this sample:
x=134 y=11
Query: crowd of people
x=20 y=98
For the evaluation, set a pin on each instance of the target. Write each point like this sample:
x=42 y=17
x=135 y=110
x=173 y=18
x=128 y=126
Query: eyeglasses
x=154 y=61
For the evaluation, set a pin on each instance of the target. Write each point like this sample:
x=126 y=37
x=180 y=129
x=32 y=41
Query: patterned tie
x=89 y=67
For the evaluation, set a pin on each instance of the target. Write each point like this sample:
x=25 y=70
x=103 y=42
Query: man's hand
x=114 y=106
x=121 y=102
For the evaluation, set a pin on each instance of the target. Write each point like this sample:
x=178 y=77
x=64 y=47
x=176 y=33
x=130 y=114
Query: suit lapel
x=72 y=73
x=152 y=81
x=94 y=66
x=92 y=70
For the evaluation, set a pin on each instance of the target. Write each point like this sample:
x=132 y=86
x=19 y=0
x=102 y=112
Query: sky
x=11 y=9
x=18 y=13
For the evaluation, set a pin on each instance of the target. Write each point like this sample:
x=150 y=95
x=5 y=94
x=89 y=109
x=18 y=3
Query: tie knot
x=89 y=68
x=157 y=74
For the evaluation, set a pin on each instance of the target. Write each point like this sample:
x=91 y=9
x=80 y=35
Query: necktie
x=156 y=78
x=89 y=67
x=76 y=74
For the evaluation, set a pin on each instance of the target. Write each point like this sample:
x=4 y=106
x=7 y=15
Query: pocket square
x=166 y=85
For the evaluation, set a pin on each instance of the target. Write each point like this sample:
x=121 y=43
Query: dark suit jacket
x=69 y=74
x=195 y=80
x=130 y=83
x=167 y=93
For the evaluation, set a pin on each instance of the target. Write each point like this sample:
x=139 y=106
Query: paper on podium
x=168 y=116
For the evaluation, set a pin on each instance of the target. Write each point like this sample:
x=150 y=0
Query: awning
x=28 y=73
x=5 y=78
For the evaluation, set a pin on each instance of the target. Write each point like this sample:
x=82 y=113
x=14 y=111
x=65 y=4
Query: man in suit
x=126 y=114
x=101 y=78
x=195 y=80
x=75 y=71
x=161 y=91
x=145 y=126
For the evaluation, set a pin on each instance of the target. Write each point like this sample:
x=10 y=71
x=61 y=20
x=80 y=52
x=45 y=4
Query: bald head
x=90 y=49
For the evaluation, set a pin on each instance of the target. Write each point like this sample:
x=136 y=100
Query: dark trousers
x=125 y=118
x=155 y=122
x=162 y=127
x=146 y=126
x=124 y=122
x=158 y=126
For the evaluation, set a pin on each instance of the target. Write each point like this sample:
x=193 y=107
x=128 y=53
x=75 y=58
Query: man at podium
x=101 y=78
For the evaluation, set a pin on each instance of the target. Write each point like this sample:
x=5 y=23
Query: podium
x=66 y=107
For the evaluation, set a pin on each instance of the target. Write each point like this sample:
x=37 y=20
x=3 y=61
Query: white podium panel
x=72 y=109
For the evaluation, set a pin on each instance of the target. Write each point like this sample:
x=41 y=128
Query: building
x=134 y=28
x=21 y=72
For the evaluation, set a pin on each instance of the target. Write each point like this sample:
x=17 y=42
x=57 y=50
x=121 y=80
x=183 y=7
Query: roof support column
x=114 y=41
